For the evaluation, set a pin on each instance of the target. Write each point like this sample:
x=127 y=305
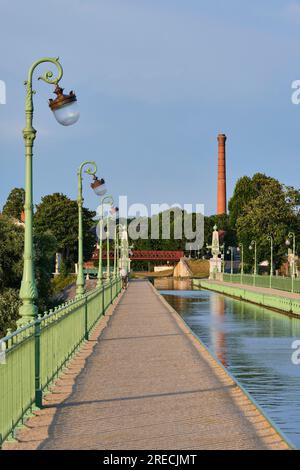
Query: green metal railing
x=36 y=353
x=275 y=282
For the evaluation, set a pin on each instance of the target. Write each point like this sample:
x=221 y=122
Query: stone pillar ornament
x=215 y=263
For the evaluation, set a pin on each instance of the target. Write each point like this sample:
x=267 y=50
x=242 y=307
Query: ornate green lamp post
x=115 y=252
x=109 y=201
x=113 y=211
x=118 y=227
x=251 y=246
x=231 y=251
x=99 y=276
x=91 y=170
x=66 y=113
x=270 y=238
x=223 y=258
x=293 y=236
x=241 y=250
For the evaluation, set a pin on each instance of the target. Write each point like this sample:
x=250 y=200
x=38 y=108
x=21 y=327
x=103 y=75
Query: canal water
x=253 y=343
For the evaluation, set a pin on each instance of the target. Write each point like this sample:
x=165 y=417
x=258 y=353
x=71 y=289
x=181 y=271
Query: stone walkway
x=148 y=384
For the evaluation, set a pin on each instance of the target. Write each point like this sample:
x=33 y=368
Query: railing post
x=86 y=334
x=37 y=363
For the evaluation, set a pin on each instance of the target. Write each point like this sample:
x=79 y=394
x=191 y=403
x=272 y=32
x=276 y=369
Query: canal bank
x=281 y=301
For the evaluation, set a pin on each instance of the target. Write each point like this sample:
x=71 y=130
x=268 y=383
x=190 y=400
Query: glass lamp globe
x=287 y=242
x=64 y=107
x=99 y=186
x=101 y=190
x=68 y=114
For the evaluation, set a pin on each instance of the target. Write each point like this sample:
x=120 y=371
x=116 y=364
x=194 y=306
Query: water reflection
x=255 y=344
x=217 y=310
x=170 y=283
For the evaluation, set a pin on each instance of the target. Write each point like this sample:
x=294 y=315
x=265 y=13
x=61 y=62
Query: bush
x=9 y=308
x=60 y=282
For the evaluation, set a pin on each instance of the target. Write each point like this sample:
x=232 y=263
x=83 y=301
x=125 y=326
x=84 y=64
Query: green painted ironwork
x=293 y=273
x=254 y=244
x=91 y=170
x=278 y=282
x=270 y=238
x=241 y=248
x=278 y=302
x=36 y=353
x=28 y=292
x=105 y=200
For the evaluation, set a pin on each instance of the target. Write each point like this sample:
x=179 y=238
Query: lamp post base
x=28 y=312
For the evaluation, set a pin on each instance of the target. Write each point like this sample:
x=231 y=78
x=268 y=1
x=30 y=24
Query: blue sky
x=156 y=81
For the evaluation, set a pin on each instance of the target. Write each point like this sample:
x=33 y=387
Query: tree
x=246 y=189
x=11 y=251
x=14 y=203
x=11 y=268
x=9 y=310
x=59 y=215
x=45 y=246
x=271 y=212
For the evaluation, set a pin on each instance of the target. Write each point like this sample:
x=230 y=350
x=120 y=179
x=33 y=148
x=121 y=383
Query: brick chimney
x=222 y=206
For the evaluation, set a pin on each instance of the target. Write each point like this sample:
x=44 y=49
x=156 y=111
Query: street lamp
x=231 y=250
x=251 y=246
x=270 y=238
x=223 y=258
x=107 y=200
x=287 y=242
x=63 y=109
x=98 y=186
x=91 y=170
x=241 y=250
x=113 y=212
x=118 y=228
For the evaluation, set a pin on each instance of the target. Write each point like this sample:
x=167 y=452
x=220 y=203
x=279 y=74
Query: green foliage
x=14 y=203
x=11 y=251
x=270 y=211
x=59 y=215
x=60 y=281
x=45 y=246
x=9 y=307
x=11 y=266
x=247 y=189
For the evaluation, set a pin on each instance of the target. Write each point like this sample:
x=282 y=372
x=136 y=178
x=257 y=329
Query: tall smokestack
x=221 y=209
